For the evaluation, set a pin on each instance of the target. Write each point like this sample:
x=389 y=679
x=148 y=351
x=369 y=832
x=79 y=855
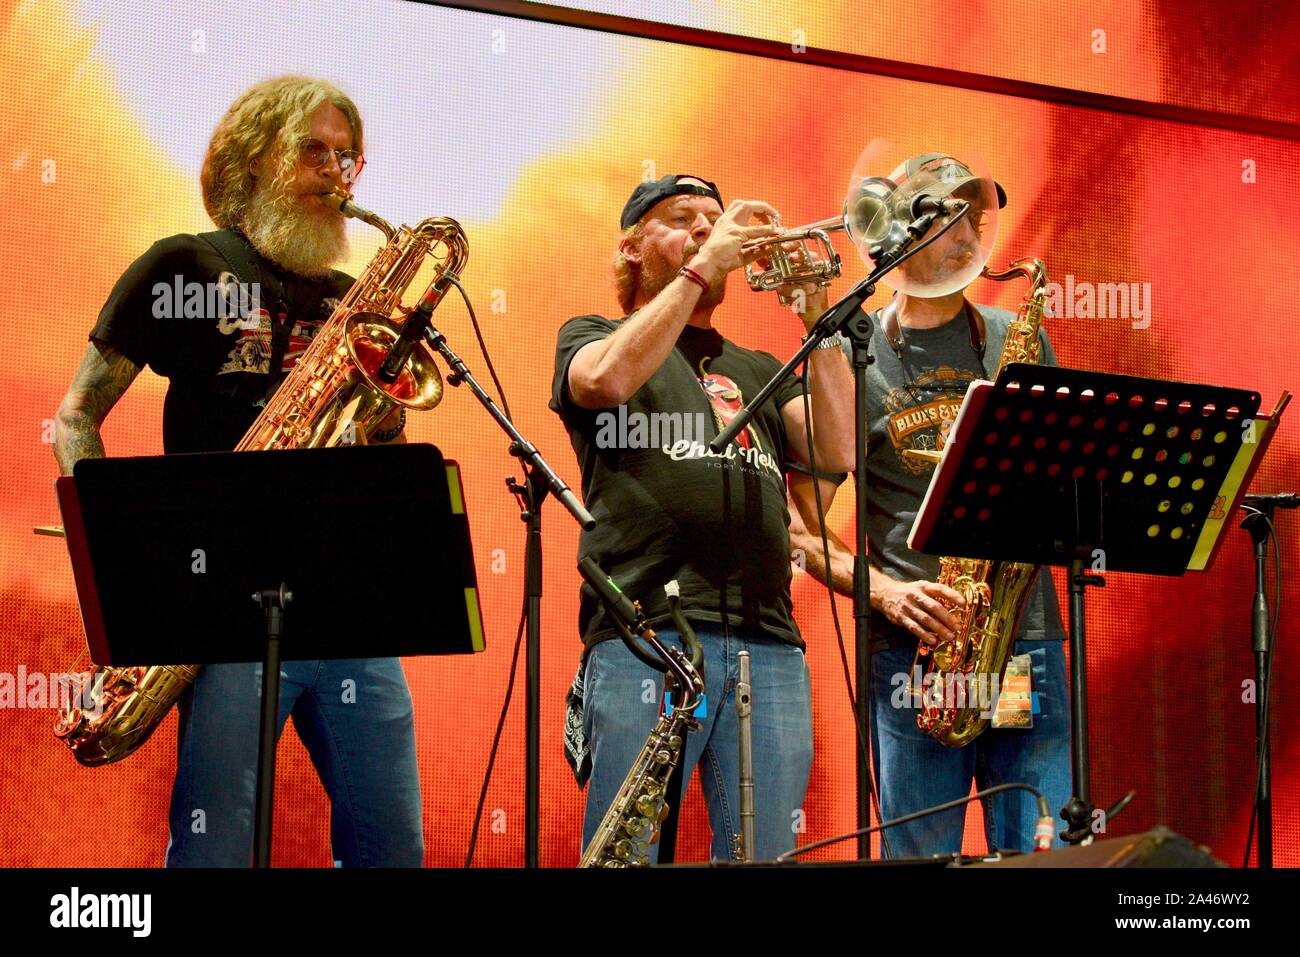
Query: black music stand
x=367 y=546
x=1093 y=471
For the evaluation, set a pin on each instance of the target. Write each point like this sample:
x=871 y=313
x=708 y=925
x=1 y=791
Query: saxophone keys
x=655 y=809
x=633 y=852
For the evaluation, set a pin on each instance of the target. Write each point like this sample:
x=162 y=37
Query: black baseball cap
x=647 y=194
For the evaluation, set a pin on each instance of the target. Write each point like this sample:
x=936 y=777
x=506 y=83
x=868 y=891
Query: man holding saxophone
x=929 y=344
x=281 y=147
x=668 y=508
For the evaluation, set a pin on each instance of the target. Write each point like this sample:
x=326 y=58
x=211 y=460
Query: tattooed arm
x=102 y=377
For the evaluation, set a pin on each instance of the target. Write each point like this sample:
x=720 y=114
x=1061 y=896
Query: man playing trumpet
x=717 y=523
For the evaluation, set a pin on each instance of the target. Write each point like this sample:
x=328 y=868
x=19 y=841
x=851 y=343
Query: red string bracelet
x=694 y=277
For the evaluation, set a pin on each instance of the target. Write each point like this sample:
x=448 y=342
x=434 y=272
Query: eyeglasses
x=316 y=154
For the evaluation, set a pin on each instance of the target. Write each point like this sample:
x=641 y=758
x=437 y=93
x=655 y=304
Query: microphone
x=417 y=321
x=1275 y=500
x=923 y=203
x=608 y=592
x=919 y=226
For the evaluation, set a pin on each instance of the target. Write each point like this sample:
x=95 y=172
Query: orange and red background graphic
x=532 y=135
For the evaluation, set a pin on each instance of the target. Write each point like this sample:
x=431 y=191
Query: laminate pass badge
x=1015 y=708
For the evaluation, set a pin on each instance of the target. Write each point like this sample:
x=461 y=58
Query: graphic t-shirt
x=180 y=310
x=666 y=507
x=913 y=402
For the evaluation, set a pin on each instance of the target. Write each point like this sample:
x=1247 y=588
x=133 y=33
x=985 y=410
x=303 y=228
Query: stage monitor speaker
x=1159 y=847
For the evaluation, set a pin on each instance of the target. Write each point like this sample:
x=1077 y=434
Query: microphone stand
x=1259 y=524
x=539 y=479
x=846 y=316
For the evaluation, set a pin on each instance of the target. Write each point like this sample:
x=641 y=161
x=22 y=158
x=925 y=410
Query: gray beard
x=287 y=235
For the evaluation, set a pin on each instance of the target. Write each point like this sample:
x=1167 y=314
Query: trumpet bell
x=886 y=181
x=876 y=214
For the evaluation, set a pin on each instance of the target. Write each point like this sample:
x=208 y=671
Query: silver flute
x=744 y=724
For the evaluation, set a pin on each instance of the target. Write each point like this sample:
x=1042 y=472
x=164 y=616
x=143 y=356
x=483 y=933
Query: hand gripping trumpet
x=334 y=395
x=803 y=255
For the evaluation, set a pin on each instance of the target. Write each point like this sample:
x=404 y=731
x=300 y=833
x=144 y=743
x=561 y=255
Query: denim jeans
x=913 y=771
x=622 y=705
x=355 y=719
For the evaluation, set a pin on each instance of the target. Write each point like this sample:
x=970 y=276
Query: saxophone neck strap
x=893 y=329
x=243 y=261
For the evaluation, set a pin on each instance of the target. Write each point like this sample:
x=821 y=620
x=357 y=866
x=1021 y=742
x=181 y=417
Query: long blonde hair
x=627 y=274
x=271 y=116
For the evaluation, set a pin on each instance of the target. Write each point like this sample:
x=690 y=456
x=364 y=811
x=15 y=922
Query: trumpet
x=795 y=256
x=806 y=255
x=876 y=215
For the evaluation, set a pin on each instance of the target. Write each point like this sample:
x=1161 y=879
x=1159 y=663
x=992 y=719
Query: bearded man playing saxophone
x=281 y=147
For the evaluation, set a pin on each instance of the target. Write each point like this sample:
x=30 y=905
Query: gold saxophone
x=995 y=591
x=632 y=822
x=330 y=397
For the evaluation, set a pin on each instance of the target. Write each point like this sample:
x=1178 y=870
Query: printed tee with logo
x=670 y=508
x=913 y=402
x=181 y=311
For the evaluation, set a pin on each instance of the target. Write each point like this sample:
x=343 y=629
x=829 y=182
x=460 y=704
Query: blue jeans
x=355 y=719
x=622 y=704
x=913 y=771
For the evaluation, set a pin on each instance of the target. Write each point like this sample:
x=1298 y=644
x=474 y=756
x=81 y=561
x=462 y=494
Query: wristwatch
x=836 y=341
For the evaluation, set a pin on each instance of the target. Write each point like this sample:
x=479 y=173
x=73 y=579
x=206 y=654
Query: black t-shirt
x=668 y=508
x=180 y=310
